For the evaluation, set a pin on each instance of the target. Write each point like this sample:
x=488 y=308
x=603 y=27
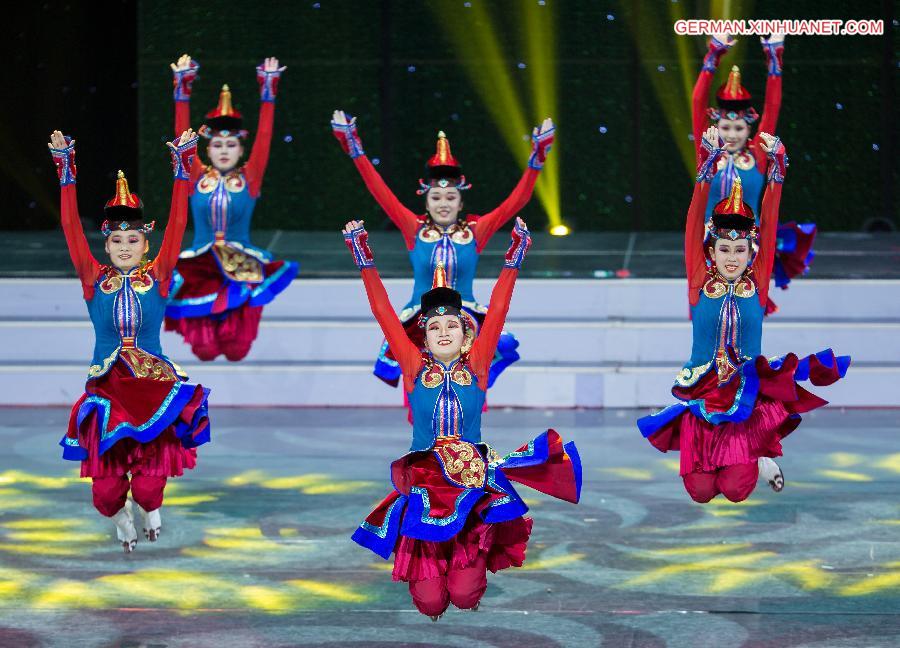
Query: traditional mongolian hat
x=442 y=169
x=441 y=299
x=223 y=120
x=733 y=100
x=124 y=211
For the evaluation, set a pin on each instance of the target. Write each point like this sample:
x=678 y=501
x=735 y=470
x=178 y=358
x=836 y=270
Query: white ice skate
x=125 y=531
x=152 y=524
x=771 y=472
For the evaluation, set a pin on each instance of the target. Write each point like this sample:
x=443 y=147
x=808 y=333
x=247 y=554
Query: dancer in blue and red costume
x=223 y=280
x=743 y=157
x=138 y=414
x=734 y=405
x=444 y=234
x=453 y=513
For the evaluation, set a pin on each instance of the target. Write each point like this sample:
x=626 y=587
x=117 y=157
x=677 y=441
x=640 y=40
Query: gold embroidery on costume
x=99 y=370
x=237 y=265
x=724 y=367
x=144 y=365
x=140 y=278
x=433 y=375
x=743 y=161
x=234 y=181
x=462 y=463
x=717 y=286
x=459 y=233
x=688 y=376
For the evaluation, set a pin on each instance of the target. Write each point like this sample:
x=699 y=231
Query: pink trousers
x=462 y=587
x=110 y=492
x=734 y=482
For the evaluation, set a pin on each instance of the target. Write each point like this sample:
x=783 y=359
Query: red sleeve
x=86 y=266
x=768 y=122
x=485 y=346
x=768 y=235
x=699 y=104
x=694 y=258
x=405 y=220
x=406 y=353
x=487 y=225
x=262 y=145
x=182 y=123
x=182 y=117
x=171 y=245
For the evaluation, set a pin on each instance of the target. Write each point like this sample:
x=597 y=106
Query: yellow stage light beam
x=653 y=37
x=540 y=32
x=655 y=40
x=474 y=35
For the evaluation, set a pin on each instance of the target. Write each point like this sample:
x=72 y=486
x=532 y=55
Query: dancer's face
x=224 y=153
x=443 y=205
x=444 y=337
x=735 y=133
x=125 y=249
x=731 y=257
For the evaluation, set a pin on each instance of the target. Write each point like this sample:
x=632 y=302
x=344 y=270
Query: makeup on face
x=224 y=152
x=126 y=249
x=444 y=205
x=735 y=133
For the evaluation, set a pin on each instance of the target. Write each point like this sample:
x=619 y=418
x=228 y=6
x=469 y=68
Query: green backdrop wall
x=393 y=65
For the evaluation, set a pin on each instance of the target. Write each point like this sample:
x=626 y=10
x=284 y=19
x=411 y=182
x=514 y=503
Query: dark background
x=100 y=71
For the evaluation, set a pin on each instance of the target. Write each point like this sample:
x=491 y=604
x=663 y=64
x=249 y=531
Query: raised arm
x=718 y=46
x=485 y=345
x=184 y=151
x=184 y=72
x=62 y=150
x=486 y=226
x=694 y=229
x=406 y=220
x=406 y=353
x=268 y=74
x=768 y=122
x=768 y=217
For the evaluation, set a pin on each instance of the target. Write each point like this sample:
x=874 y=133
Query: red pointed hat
x=223 y=120
x=123 y=199
x=733 y=100
x=732 y=90
x=732 y=218
x=442 y=169
x=124 y=211
x=441 y=299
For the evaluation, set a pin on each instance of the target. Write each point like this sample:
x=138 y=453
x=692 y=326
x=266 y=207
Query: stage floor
x=256 y=546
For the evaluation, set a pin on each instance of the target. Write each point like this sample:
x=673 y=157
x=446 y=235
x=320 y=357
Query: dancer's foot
x=772 y=473
x=475 y=607
x=125 y=531
x=152 y=524
x=435 y=617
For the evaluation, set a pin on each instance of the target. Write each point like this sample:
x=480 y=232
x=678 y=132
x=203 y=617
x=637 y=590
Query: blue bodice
x=127 y=311
x=726 y=314
x=455 y=248
x=222 y=207
x=752 y=182
x=445 y=402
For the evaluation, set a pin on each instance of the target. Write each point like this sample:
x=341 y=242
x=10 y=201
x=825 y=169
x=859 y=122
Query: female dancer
x=444 y=235
x=453 y=513
x=223 y=281
x=137 y=415
x=743 y=158
x=734 y=405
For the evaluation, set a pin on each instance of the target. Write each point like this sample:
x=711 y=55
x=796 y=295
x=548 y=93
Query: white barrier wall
x=615 y=343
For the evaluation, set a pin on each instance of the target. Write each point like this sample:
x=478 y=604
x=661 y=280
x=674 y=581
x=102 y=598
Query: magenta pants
x=110 y=492
x=734 y=482
x=462 y=587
